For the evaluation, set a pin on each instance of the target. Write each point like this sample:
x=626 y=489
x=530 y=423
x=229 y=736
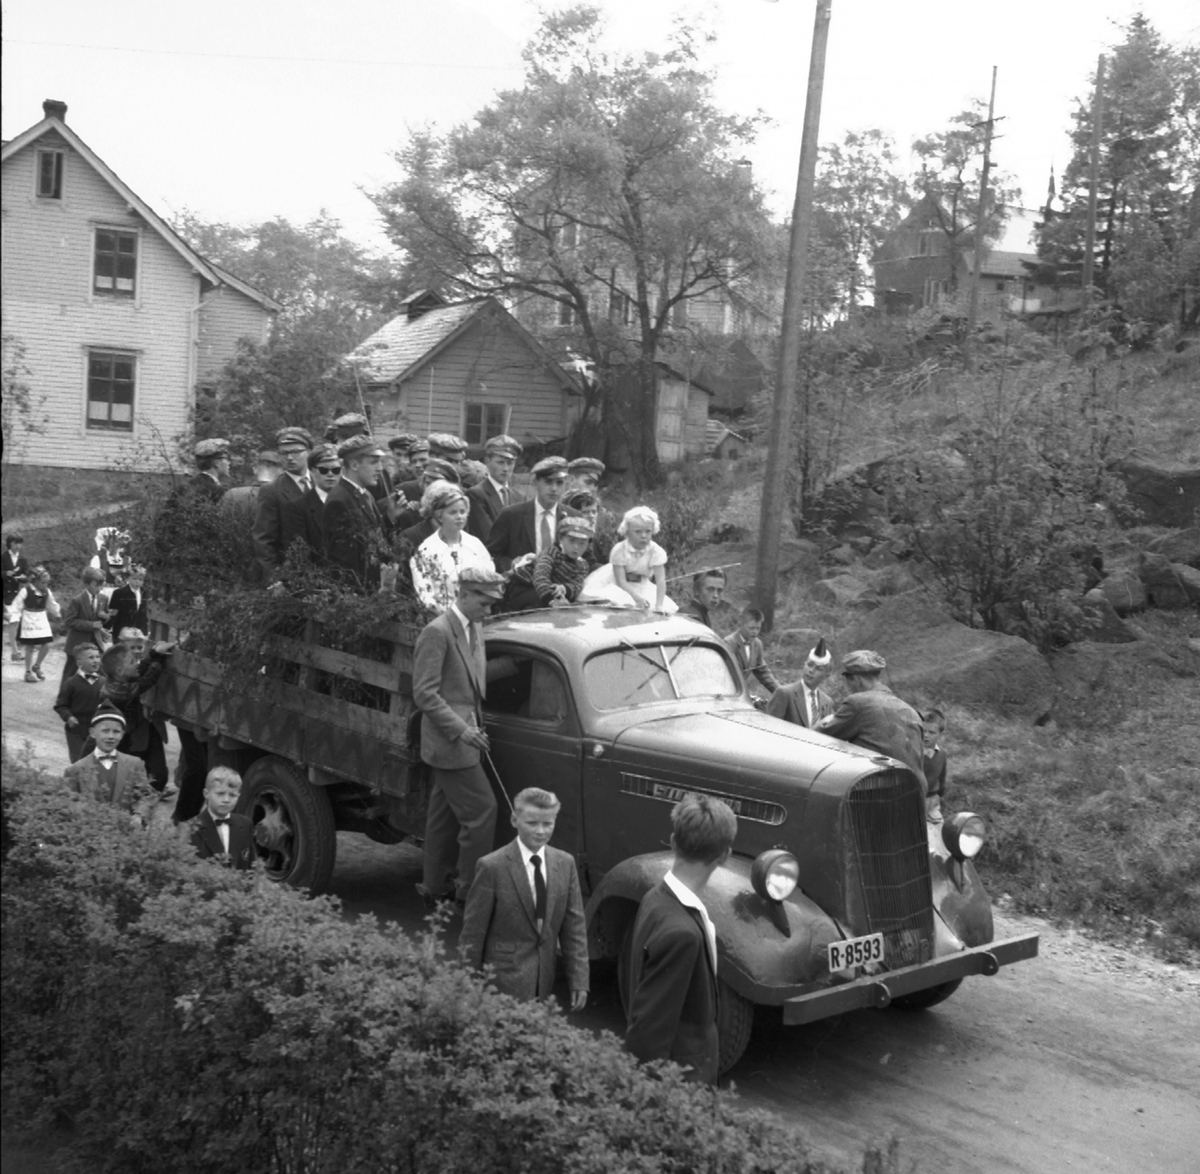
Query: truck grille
x=887 y=816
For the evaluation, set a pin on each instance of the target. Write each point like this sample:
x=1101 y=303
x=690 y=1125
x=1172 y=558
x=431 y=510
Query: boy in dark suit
x=672 y=1010
x=78 y=698
x=106 y=775
x=493 y=493
x=353 y=526
x=218 y=832
x=293 y=446
x=524 y=901
x=85 y=617
x=127 y=604
x=747 y=648
x=531 y=526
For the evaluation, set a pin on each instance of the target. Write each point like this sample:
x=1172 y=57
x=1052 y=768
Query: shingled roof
x=395 y=349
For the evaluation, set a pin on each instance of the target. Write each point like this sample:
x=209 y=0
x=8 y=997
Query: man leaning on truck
x=449 y=683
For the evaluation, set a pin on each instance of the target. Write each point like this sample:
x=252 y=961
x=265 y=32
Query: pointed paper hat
x=820 y=657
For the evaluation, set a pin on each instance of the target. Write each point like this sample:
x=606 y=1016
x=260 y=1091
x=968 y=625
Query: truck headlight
x=963 y=835
x=775 y=875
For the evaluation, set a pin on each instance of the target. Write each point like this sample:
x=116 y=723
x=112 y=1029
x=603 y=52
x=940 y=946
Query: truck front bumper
x=878 y=990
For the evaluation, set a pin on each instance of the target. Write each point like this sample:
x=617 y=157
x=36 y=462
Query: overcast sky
x=246 y=109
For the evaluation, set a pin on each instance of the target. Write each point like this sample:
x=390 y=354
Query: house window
x=50 y=175
x=116 y=262
x=679 y=315
x=568 y=235
x=111 y=379
x=483 y=421
x=620 y=308
x=999 y=286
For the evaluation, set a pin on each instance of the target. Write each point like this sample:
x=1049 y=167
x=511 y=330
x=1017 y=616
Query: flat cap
x=402 y=443
x=213 y=447
x=269 y=456
x=106 y=711
x=321 y=454
x=507 y=446
x=293 y=436
x=360 y=446
x=483 y=580
x=575 y=526
x=551 y=467
x=441 y=470
x=353 y=420
x=446 y=442
x=418 y=445
x=586 y=465
x=862 y=662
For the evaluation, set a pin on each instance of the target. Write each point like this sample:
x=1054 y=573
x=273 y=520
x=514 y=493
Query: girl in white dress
x=636 y=573
x=439 y=559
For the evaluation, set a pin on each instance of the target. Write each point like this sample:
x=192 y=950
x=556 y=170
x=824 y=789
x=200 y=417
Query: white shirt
x=540 y=512
x=108 y=761
x=222 y=831
x=527 y=856
x=321 y=494
x=688 y=898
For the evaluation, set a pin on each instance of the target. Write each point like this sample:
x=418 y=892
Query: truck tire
x=735 y=1013
x=294 y=832
x=929 y=997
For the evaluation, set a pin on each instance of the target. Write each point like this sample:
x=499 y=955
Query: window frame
x=61 y=168
x=116 y=233
x=484 y=406
x=90 y=423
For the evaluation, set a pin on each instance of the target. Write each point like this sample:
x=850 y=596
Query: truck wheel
x=929 y=997
x=294 y=832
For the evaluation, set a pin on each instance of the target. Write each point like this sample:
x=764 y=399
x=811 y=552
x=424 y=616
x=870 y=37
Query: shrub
x=188 y=1018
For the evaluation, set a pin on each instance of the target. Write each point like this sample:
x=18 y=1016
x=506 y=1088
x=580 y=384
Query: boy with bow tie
x=218 y=832
x=78 y=698
x=107 y=775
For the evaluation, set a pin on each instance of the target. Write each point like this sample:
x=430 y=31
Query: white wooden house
x=119 y=318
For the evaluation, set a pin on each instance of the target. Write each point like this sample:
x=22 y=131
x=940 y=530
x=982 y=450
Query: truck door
x=534 y=733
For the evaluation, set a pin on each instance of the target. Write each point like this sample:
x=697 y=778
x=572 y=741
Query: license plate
x=855 y=952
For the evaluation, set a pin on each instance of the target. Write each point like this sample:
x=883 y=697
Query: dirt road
x=1086 y=1058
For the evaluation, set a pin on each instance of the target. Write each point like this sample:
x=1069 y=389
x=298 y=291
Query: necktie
x=503 y=495
x=305 y=484
x=539 y=890
x=545 y=539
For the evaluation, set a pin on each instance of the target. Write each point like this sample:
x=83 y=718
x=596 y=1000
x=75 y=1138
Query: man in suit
x=493 y=493
x=293 y=446
x=106 y=775
x=449 y=685
x=127 y=604
x=303 y=520
x=85 y=617
x=218 y=832
x=79 y=698
x=524 y=901
x=353 y=526
x=805 y=703
x=672 y=1006
x=530 y=526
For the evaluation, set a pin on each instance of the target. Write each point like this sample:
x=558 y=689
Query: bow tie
x=220 y=822
x=91 y=678
x=106 y=758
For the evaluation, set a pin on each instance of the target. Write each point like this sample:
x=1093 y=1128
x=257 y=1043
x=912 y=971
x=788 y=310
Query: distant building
x=120 y=319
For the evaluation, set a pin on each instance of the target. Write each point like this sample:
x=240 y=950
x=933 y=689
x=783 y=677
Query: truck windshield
x=648 y=673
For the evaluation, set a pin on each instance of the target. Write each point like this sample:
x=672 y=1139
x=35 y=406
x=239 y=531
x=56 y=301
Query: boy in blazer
x=805 y=703
x=449 y=684
x=526 y=900
x=218 y=832
x=747 y=648
x=494 y=492
x=106 y=775
x=127 y=604
x=85 y=617
x=78 y=699
x=672 y=1007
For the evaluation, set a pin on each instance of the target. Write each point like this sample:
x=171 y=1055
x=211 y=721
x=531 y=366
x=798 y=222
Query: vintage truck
x=836 y=897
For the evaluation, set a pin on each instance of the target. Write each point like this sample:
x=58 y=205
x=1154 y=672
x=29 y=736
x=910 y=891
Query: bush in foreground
x=183 y=1017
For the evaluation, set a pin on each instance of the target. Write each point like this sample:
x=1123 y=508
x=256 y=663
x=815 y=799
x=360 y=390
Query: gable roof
x=1000 y=263
x=399 y=349
x=201 y=265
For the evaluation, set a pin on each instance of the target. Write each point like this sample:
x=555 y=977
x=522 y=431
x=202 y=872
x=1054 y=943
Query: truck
x=838 y=895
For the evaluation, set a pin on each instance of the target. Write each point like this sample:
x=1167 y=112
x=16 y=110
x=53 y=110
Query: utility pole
x=973 y=310
x=779 y=449
x=1089 y=248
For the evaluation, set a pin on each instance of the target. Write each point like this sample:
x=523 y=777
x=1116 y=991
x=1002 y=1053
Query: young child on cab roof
x=636 y=574
x=554 y=577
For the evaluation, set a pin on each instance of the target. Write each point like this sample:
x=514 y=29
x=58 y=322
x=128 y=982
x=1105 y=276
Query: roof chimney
x=55 y=109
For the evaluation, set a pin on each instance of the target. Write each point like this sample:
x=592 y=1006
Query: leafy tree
x=605 y=195
x=21 y=414
x=951 y=169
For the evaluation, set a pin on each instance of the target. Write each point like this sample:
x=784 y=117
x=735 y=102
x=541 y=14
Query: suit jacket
x=78 y=699
x=128 y=788
x=749 y=655
x=485 y=506
x=303 y=519
x=204 y=486
x=353 y=532
x=80 y=618
x=124 y=611
x=513 y=533
x=672 y=987
x=267 y=530
x=787 y=702
x=449 y=685
x=207 y=840
x=499 y=928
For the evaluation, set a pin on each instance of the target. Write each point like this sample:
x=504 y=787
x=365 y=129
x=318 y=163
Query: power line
x=265 y=57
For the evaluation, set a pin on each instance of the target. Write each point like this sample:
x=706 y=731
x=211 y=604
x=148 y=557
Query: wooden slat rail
x=342 y=664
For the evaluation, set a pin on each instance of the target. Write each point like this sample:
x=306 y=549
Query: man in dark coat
x=530 y=526
x=270 y=548
x=212 y=463
x=672 y=984
x=127 y=604
x=16 y=575
x=874 y=717
x=493 y=493
x=303 y=520
x=353 y=525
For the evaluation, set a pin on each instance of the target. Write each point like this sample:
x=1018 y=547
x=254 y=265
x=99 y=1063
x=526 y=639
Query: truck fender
x=764 y=953
x=964 y=909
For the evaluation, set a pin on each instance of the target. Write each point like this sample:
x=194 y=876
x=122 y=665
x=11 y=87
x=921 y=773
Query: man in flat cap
x=400 y=447
x=530 y=526
x=873 y=716
x=352 y=520
x=293 y=445
x=303 y=520
x=805 y=703
x=212 y=463
x=585 y=473
x=448 y=447
x=450 y=671
x=410 y=515
x=494 y=492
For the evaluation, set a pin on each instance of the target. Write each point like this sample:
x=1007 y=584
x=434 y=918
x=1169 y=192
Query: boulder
x=1168 y=584
x=842 y=555
x=1180 y=546
x=1124 y=591
x=932 y=657
x=1107 y=627
x=1083 y=669
x=842 y=591
x=1165 y=496
x=894 y=579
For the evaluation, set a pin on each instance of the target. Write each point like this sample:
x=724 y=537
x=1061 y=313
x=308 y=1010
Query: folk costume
x=34 y=609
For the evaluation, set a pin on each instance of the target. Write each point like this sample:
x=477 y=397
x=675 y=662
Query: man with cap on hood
x=352 y=520
x=530 y=526
x=450 y=670
x=293 y=445
x=494 y=492
x=805 y=703
x=873 y=716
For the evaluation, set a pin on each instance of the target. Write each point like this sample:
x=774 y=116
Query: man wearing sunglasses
x=303 y=518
